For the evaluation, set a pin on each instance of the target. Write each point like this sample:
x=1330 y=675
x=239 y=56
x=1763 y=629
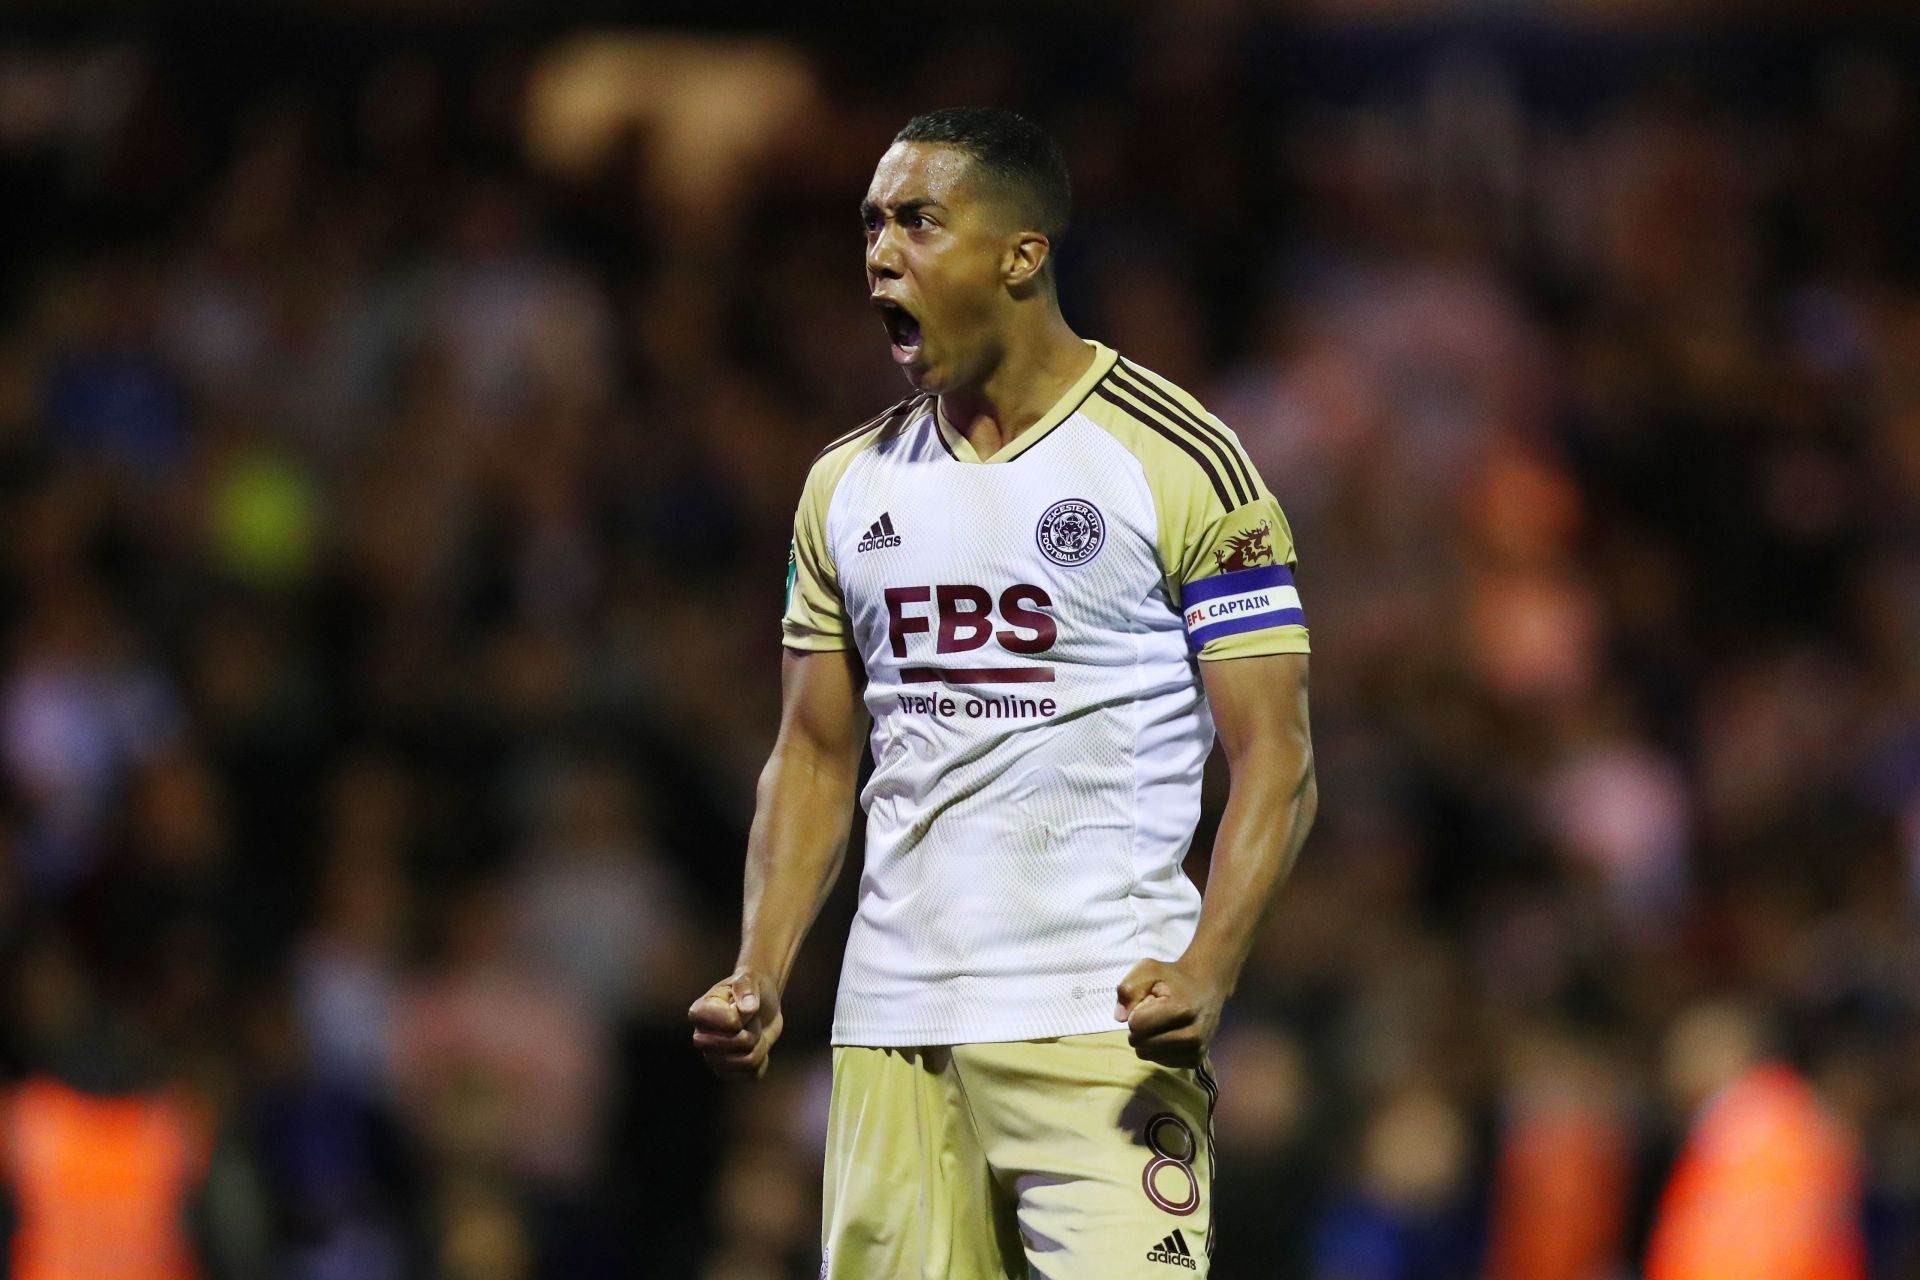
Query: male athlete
x=1044 y=579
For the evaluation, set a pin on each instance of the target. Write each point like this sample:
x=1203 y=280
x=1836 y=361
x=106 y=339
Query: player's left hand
x=1171 y=1012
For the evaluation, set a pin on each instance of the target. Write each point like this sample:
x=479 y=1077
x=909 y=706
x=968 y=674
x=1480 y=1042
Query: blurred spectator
x=493 y=1060
x=1562 y=1183
x=349 y=970
x=1408 y=1212
x=108 y=394
x=107 y=1166
x=594 y=902
x=1267 y=1126
x=79 y=711
x=1767 y=1184
x=341 y=1182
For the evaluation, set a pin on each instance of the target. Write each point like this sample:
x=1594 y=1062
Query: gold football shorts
x=1063 y=1159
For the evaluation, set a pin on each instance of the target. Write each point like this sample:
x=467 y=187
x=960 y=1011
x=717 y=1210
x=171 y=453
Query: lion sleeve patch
x=1248 y=549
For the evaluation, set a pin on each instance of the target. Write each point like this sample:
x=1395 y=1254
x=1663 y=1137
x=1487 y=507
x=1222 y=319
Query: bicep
x=820 y=705
x=1259 y=703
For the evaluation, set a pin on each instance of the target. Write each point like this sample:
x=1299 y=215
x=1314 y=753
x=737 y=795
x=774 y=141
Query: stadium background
x=401 y=414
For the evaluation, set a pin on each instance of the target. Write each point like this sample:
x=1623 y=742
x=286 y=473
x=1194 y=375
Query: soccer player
x=1036 y=586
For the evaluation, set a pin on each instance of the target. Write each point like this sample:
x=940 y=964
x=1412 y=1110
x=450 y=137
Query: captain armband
x=1244 y=600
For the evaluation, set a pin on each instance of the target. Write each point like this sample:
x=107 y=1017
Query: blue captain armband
x=1244 y=600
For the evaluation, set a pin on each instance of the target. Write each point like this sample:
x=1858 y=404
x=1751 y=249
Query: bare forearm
x=799 y=839
x=1270 y=809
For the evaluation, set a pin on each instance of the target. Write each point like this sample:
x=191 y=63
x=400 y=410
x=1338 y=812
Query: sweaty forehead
x=923 y=171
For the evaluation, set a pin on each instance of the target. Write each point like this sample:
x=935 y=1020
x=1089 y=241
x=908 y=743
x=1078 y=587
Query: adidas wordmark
x=879 y=534
x=1173 y=1251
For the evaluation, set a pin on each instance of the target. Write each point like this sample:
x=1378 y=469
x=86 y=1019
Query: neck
x=1034 y=370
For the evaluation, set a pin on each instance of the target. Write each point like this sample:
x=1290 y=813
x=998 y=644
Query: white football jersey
x=1031 y=628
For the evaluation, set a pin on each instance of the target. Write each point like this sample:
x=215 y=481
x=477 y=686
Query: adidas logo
x=880 y=535
x=1173 y=1251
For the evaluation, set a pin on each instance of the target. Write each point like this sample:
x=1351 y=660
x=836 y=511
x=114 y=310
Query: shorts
x=1062 y=1159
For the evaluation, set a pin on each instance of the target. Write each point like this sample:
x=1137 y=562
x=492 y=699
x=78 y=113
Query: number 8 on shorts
x=1171 y=1168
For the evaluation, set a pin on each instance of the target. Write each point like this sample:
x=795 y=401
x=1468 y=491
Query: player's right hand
x=736 y=1022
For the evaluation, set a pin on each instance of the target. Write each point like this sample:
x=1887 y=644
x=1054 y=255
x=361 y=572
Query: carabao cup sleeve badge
x=1071 y=532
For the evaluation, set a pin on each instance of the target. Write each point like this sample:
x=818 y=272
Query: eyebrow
x=868 y=208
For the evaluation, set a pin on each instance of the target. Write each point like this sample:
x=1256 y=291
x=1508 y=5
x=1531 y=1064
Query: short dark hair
x=1013 y=151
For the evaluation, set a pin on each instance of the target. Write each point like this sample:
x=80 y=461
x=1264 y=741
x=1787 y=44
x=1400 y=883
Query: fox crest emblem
x=1246 y=550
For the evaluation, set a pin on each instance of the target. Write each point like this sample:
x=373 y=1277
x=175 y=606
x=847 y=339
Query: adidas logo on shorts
x=1173 y=1251
x=880 y=535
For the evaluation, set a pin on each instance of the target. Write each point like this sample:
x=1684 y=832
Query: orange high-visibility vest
x=101 y=1184
x=1766 y=1189
x=1560 y=1199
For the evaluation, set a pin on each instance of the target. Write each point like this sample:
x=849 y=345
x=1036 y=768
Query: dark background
x=402 y=410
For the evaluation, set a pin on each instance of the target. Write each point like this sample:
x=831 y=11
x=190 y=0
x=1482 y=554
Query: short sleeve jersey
x=1031 y=628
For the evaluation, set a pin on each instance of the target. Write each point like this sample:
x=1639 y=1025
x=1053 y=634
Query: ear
x=1026 y=257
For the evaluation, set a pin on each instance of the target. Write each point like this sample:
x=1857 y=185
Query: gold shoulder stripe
x=1150 y=384
x=1146 y=407
x=1180 y=440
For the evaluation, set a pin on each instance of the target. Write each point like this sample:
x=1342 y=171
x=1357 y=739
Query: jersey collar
x=1063 y=408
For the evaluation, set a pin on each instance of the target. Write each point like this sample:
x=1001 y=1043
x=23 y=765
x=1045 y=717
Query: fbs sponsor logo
x=1173 y=1251
x=879 y=534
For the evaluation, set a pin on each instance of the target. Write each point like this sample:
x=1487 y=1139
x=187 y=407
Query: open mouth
x=903 y=329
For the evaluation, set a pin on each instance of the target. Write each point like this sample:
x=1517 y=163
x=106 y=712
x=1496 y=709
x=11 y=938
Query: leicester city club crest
x=1071 y=532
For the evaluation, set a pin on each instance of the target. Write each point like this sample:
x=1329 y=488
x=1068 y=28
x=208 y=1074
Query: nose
x=883 y=255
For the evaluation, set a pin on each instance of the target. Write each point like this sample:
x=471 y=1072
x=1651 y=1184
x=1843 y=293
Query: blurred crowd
x=396 y=470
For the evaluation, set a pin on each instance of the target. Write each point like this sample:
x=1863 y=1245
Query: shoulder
x=1176 y=440
x=831 y=463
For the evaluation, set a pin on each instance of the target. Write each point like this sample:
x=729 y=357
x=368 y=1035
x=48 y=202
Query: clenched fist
x=1170 y=1010
x=736 y=1022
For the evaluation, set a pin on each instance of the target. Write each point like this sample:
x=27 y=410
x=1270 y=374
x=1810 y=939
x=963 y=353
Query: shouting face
x=941 y=252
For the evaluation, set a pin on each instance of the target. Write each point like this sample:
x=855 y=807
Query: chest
x=1052 y=552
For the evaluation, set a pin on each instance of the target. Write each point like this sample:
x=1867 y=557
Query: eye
x=917 y=221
